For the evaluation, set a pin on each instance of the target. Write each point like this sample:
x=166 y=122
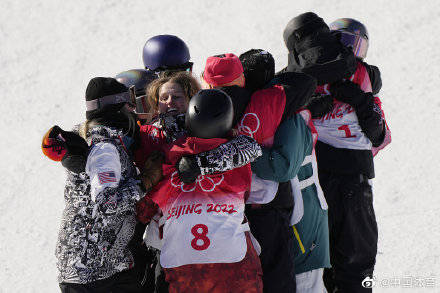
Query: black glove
x=173 y=125
x=320 y=105
x=188 y=169
x=367 y=112
x=347 y=92
x=74 y=163
x=77 y=150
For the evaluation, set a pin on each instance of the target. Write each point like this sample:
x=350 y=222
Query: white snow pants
x=310 y=282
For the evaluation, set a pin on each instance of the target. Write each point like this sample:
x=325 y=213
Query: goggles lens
x=358 y=44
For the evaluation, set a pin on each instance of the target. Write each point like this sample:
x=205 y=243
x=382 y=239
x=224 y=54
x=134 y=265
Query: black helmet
x=105 y=95
x=302 y=26
x=315 y=50
x=209 y=114
x=258 y=68
x=353 y=34
x=105 y=100
x=139 y=78
x=166 y=52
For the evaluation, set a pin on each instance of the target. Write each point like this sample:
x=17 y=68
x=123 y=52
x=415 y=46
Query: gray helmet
x=352 y=34
x=139 y=78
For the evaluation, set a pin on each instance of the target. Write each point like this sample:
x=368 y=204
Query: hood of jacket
x=321 y=55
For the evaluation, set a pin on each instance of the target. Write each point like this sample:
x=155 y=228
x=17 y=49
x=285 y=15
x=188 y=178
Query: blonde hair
x=187 y=82
x=85 y=126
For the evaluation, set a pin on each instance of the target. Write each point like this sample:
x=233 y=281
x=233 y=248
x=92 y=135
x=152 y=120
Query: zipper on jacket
x=301 y=246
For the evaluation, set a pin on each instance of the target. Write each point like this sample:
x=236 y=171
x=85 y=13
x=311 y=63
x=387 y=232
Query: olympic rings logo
x=206 y=183
x=249 y=124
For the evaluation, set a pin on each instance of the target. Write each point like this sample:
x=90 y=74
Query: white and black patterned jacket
x=94 y=234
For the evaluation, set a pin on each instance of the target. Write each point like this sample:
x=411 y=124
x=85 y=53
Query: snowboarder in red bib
x=206 y=246
x=354 y=35
x=350 y=123
x=169 y=98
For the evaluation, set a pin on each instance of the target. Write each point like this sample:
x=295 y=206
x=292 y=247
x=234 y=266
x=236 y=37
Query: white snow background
x=51 y=49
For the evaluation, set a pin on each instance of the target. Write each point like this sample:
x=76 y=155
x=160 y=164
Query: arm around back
x=293 y=141
x=368 y=112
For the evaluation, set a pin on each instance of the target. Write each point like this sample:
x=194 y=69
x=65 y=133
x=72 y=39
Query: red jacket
x=263 y=115
x=152 y=138
x=231 y=182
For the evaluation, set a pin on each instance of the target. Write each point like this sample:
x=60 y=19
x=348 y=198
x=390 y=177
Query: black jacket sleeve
x=370 y=119
x=375 y=79
x=368 y=112
x=239 y=151
x=298 y=87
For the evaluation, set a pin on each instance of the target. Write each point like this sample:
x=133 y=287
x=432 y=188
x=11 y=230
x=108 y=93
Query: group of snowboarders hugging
x=241 y=180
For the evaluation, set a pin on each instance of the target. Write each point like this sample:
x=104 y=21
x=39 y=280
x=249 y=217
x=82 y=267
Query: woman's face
x=172 y=97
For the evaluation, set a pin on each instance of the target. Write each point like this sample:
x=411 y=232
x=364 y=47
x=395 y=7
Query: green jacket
x=282 y=161
x=292 y=158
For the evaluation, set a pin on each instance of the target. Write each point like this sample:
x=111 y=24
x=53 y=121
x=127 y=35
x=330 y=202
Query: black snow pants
x=352 y=229
x=270 y=226
x=123 y=282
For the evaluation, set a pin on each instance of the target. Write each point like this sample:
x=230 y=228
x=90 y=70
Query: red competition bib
x=204 y=229
x=202 y=221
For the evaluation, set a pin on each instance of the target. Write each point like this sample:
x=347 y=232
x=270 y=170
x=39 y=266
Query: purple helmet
x=353 y=34
x=166 y=52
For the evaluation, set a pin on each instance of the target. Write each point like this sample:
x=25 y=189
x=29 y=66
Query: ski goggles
x=139 y=105
x=358 y=44
x=166 y=71
x=52 y=146
x=136 y=104
x=109 y=100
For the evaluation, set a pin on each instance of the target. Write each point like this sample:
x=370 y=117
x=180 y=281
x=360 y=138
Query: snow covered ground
x=50 y=49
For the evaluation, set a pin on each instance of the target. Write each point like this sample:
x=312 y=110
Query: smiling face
x=172 y=97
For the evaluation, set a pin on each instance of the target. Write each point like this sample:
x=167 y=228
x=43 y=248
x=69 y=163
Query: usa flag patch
x=107 y=177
